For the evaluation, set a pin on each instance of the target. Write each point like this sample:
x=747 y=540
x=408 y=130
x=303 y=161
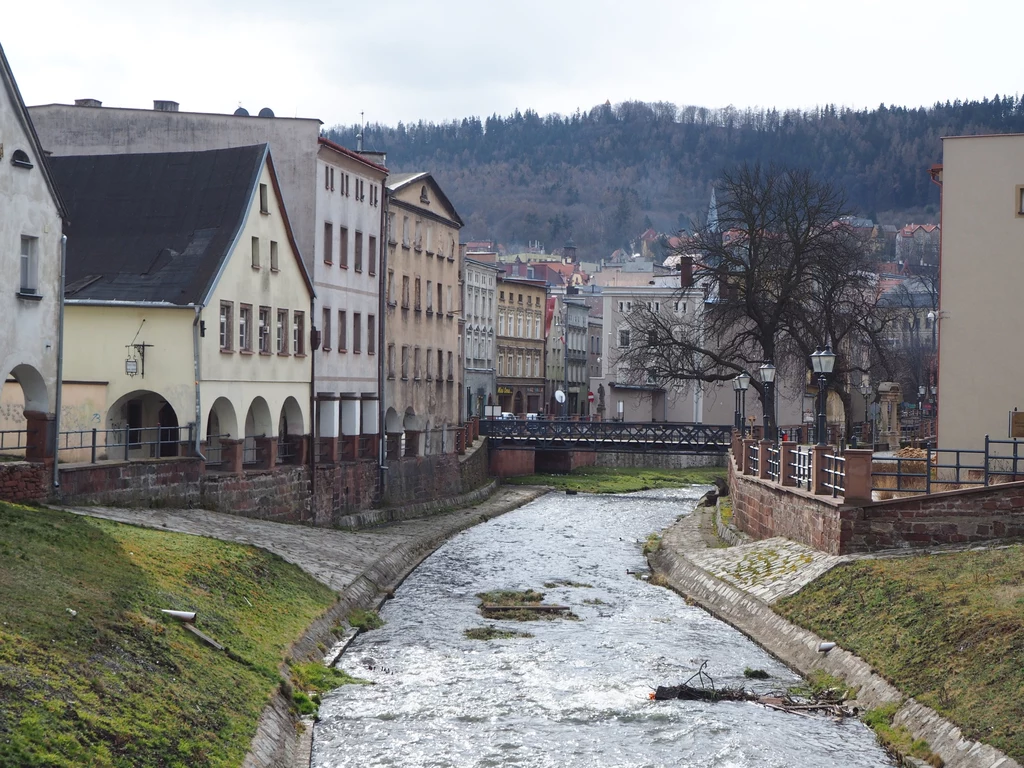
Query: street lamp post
x=736 y=401
x=865 y=389
x=822 y=361
x=767 y=371
x=743 y=381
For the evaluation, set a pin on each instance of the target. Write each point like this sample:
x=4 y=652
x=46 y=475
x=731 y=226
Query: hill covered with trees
x=607 y=174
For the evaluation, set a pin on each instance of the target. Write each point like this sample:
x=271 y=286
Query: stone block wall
x=24 y=481
x=954 y=517
x=473 y=468
x=511 y=462
x=281 y=494
x=622 y=459
x=421 y=478
x=343 y=490
x=160 y=482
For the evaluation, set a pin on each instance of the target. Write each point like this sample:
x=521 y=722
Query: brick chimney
x=686 y=271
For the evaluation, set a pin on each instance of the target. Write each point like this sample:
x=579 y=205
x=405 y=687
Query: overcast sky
x=406 y=60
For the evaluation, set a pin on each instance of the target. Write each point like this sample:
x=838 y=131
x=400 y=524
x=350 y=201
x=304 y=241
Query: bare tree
x=781 y=277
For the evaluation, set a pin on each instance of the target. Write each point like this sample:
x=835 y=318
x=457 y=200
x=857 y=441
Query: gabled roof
x=156 y=227
x=353 y=155
x=38 y=155
x=399 y=181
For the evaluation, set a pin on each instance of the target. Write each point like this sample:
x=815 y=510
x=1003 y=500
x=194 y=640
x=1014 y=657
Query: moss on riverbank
x=91 y=673
x=624 y=480
x=946 y=629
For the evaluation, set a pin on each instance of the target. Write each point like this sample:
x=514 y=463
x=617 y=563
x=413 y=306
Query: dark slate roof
x=153 y=227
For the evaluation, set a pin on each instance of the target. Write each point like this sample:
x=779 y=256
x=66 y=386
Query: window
x=326 y=330
x=29 y=264
x=327 y=177
x=255 y=253
x=439 y=305
x=440 y=365
x=371 y=334
x=343 y=247
x=245 y=327
x=273 y=256
x=416 y=363
x=299 y=333
x=392 y=235
x=227 y=325
x=282 y=331
x=391 y=286
x=430 y=364
x=430 y=238
x=358 y=257
x=263 y=199
x=1020 y=201
x=405 y=231
x=332 y=179
x=430 y=296
x=418 y=236
x=501 y=365
x=372 y=256
x=451 y=369
x=418 y=304
x=501 y=323
x=624 y=338
x=405 y=361
x=346 y=184
x=264 y=330
x=328 y=243
x=449 y=299
x=134 y=408
x=342 y=330
x=391 y=361
x=357 y=330
x=20 y=159
x=405 y=291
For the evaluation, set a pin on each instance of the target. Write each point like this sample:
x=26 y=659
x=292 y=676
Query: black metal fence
x=946 y=469
x=15 y=440
x=649 y=437
x=123 y=444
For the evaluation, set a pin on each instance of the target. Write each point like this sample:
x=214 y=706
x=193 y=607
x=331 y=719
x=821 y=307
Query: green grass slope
x=945 y=629
x=116 y=683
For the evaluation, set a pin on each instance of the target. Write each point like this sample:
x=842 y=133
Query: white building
x=31 y=214
x=479 y=343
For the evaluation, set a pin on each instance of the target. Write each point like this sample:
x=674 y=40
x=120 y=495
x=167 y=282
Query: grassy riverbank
x=945 y=629
x=625 y=480
x=91 y=673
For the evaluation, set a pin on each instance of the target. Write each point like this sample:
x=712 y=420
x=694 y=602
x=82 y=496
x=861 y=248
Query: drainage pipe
x=195 y=371
x=60 y=361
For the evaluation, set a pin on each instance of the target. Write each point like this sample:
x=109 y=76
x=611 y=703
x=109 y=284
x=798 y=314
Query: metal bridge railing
x=610 y=435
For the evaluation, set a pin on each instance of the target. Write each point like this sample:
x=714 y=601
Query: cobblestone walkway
x=336 y=558
x=769 y=569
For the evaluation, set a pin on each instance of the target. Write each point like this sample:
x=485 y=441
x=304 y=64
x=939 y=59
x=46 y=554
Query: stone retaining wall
x=797 y=648
x=280 y=494
x=24 y=481
x=623 y=459
x=172 y=482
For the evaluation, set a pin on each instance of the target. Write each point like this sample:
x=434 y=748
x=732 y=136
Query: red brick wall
x=954 y=517
x=280 y=494
x=762 y=509
x=24 y=481
x=506 y=462
x=162 y=482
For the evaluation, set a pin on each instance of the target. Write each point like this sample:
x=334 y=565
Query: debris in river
x=521 y=606
x=705 y=690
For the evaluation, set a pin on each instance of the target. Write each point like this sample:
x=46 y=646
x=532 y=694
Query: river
x=576 y=693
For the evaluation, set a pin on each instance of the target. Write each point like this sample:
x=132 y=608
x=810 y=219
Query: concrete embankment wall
x=797 y=647
x=278 y=741
x=622 y=459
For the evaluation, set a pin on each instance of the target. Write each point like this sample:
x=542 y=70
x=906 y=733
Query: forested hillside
x=607 y=174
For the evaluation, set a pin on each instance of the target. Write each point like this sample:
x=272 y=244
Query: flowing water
x=576 y=693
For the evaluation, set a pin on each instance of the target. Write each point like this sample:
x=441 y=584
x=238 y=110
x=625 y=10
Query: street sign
x=590 y=397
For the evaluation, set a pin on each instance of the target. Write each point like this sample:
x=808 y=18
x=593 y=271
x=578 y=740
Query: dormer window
x=20 y=159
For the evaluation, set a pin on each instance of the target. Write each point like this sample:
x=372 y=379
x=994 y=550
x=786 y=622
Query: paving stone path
x=336 y=558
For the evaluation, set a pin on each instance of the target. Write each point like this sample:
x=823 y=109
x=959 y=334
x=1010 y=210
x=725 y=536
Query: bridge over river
x=608 y=436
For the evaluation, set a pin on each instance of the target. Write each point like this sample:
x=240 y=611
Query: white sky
x=443 y=59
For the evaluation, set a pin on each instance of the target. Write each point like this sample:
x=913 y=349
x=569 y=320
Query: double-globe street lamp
x=739 y=385
x=865 y=389
x=822 y=361
x=767 y=371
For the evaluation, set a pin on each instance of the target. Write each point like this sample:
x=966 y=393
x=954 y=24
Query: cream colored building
x=187 y=304
x=423 y=391
x=520 y=307
x=979 y=368
x=478 y=308
x=31 y=215
x=335 y=203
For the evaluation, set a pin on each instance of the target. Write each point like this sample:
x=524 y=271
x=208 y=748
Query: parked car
x=508 y=416
x=533 y=417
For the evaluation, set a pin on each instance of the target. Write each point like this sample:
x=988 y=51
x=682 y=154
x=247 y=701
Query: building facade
x=423 y=391
x=480 y=281
x=520 y=309
x=335 y=202
x=567 y=356
x=982 y=180
x=31 y=218
x=187 y=303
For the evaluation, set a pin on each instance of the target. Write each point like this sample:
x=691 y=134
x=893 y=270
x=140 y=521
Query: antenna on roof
x=359 y=136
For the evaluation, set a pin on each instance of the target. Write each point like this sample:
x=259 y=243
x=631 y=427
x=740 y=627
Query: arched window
x=20 y=159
